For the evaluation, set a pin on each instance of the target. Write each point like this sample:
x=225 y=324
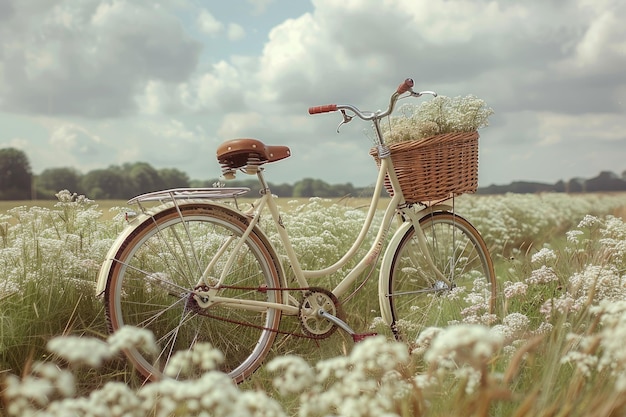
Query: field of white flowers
x=557 y=348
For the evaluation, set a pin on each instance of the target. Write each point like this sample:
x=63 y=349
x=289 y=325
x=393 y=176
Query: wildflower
x=424 y=340
x=213 y=391
x=543 y=275
x=602 y=282
x=471 y=345
x=62 y=380
x=337 y=367
x=293 y=374
x=118 y=398
x=514 y=289
x=424 y=381
x=516 y=324
x=201 y=356
x=544 y=256
x=572 y=235
x=585 y=363
x=360 y=383
x=80 y=350
x=128 y=337
x=588 y=221
x=378 y=354
x=439 y=115
x=543 y=329
x=258 y=404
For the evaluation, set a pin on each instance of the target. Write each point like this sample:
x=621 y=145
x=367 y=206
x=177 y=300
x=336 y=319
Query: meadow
x=555 y=348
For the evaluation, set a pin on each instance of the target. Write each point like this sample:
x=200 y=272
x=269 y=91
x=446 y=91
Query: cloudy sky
x=94 y=83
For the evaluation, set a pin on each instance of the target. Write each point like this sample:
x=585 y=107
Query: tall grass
x=555 y=350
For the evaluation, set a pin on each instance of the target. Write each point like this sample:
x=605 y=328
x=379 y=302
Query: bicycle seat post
x=265 y=188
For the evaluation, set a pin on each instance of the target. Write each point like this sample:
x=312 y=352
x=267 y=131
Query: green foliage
x=310 y=187
x=52 y=180
x=15 y=175
x=128 y=180
x=48 y=260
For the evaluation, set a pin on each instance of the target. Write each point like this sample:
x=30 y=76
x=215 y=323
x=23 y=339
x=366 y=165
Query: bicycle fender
x=142 y=217
x=108 y=261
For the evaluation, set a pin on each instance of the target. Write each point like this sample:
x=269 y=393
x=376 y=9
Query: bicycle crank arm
x=356 y=337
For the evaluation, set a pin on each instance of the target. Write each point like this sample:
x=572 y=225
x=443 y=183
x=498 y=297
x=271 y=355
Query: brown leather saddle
x=248 y=153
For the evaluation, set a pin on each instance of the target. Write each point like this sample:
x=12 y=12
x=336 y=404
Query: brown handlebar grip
x=323 y=109
x=405 y=86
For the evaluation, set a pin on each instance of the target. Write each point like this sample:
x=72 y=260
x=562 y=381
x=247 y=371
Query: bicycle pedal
x=358 y=337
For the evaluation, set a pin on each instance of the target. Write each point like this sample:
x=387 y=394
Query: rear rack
x=190 y=193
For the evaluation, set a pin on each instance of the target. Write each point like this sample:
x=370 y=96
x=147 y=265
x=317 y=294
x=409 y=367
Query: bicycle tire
x=417 y=299
x=158 y=265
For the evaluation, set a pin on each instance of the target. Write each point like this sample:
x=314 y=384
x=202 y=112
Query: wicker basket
x=435 y=168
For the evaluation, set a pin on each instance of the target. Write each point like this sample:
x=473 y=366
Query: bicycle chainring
x=314 y=300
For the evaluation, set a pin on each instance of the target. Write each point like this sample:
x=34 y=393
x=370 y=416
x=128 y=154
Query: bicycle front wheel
x=157 y=268
x=418 y=297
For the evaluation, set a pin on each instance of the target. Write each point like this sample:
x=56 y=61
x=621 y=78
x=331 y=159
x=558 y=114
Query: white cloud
x=17 y=143
x=220 y=90
x=177 y=130
x=74 y=138
x=209 y=24
x=603 y=47
x=89 y=57
x=260 y=6
x=555 y=128
x=236 y=32
x=235 y=125
x=132 y=74
x=155 y=98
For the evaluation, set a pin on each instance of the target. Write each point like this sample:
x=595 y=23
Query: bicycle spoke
x=158 y=268
x=418 y=299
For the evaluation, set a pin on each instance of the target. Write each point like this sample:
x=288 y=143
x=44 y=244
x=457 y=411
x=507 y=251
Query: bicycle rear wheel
x=152 y=278
x=418 y=298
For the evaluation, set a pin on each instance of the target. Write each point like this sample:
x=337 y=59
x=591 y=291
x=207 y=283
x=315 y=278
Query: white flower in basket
x=437 y=116
x=434 y=147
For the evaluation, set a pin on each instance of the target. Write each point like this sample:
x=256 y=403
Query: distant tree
x=560 y=186
x=310 y=187
x=104 y=184
x=576 y=185
x=143 y=177
x=173 y=178
x=16 y=177
x=53 y=180
x=282 y=190
x=605 y=181
x=304 y=188
x=341 y=190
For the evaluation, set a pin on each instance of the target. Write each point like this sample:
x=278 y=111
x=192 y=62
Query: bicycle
x=197 y=268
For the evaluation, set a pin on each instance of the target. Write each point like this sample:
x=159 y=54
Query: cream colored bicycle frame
x=396 y=207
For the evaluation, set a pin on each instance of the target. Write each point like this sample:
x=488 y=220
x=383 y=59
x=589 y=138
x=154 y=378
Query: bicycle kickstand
x=356 y=337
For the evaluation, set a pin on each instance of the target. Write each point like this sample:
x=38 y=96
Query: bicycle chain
x=192 y=305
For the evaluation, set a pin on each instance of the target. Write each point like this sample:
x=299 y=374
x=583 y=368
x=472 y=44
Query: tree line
x=605 y=181
x=121 y=182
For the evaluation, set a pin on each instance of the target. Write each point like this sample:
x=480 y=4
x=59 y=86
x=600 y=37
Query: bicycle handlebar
x=322 y=109
x=404 y=87
x=407 y=85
